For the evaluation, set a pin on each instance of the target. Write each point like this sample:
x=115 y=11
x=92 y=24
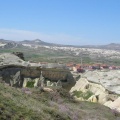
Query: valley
x=39 y=51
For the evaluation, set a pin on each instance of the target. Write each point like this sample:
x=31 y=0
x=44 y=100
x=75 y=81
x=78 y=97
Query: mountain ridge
x=114 y=46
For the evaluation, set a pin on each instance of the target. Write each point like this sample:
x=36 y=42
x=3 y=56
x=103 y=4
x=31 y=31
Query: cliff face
x=11 y=76
x=15 y=75
x=51 y=74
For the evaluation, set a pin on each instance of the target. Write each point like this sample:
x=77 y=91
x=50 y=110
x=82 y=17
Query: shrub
x=77 y=93
x=85 y=95
x=30 y=84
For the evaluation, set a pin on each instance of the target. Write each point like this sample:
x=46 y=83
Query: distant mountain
x=111 y=46
x=5 y=41
x=38 y=42
x=8 y=43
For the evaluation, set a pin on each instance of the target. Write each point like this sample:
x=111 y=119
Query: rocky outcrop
x=114 y=104
x=109 y=79
x=17 y=75
x=101 y=94
x=62 y=75
x=8 y=59
x=19 y=54
x=17 y=72
x=12 y=76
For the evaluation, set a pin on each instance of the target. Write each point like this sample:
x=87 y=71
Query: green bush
x=77 y=93
x=85 y=95
x=30 y=84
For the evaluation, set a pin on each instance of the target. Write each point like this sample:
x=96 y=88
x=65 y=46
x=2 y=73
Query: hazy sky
x=77 y=22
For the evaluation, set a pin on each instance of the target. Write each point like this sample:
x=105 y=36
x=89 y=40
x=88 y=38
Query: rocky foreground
x=31 y=104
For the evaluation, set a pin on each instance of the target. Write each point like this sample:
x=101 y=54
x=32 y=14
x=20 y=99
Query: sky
x=72 y=22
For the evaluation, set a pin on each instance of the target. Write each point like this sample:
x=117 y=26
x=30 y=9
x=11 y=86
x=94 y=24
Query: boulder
x=7 y=59
x=115 y=104
x=93 y=98
x=78 y=99
x=81 y=85
x=45 y=89
x=108 y=103
x=103 y=97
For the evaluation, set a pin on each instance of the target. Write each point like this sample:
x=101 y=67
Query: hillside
x=40 y=51
x=31 y=104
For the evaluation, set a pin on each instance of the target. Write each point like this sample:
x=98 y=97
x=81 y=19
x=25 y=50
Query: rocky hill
x=37 y=42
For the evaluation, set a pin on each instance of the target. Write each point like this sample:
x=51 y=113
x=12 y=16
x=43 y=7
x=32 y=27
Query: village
x=76 y=67
x=87 y=67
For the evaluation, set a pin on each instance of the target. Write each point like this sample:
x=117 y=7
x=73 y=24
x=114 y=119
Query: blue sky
x=77 y=22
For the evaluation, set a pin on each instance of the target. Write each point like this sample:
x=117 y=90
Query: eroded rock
x=17 y=72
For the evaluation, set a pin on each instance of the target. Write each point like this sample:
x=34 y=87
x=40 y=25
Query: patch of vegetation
x=87 y=95
x=30 y=84
x=77 y=93
x=84 y=95
x=9 y=110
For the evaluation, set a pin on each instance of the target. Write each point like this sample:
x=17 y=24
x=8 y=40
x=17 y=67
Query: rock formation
x=19 y=54
x=101 y=93
x=17 y=72
x=114 y=104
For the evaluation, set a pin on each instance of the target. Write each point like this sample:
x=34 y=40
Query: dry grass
x=15 y=104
